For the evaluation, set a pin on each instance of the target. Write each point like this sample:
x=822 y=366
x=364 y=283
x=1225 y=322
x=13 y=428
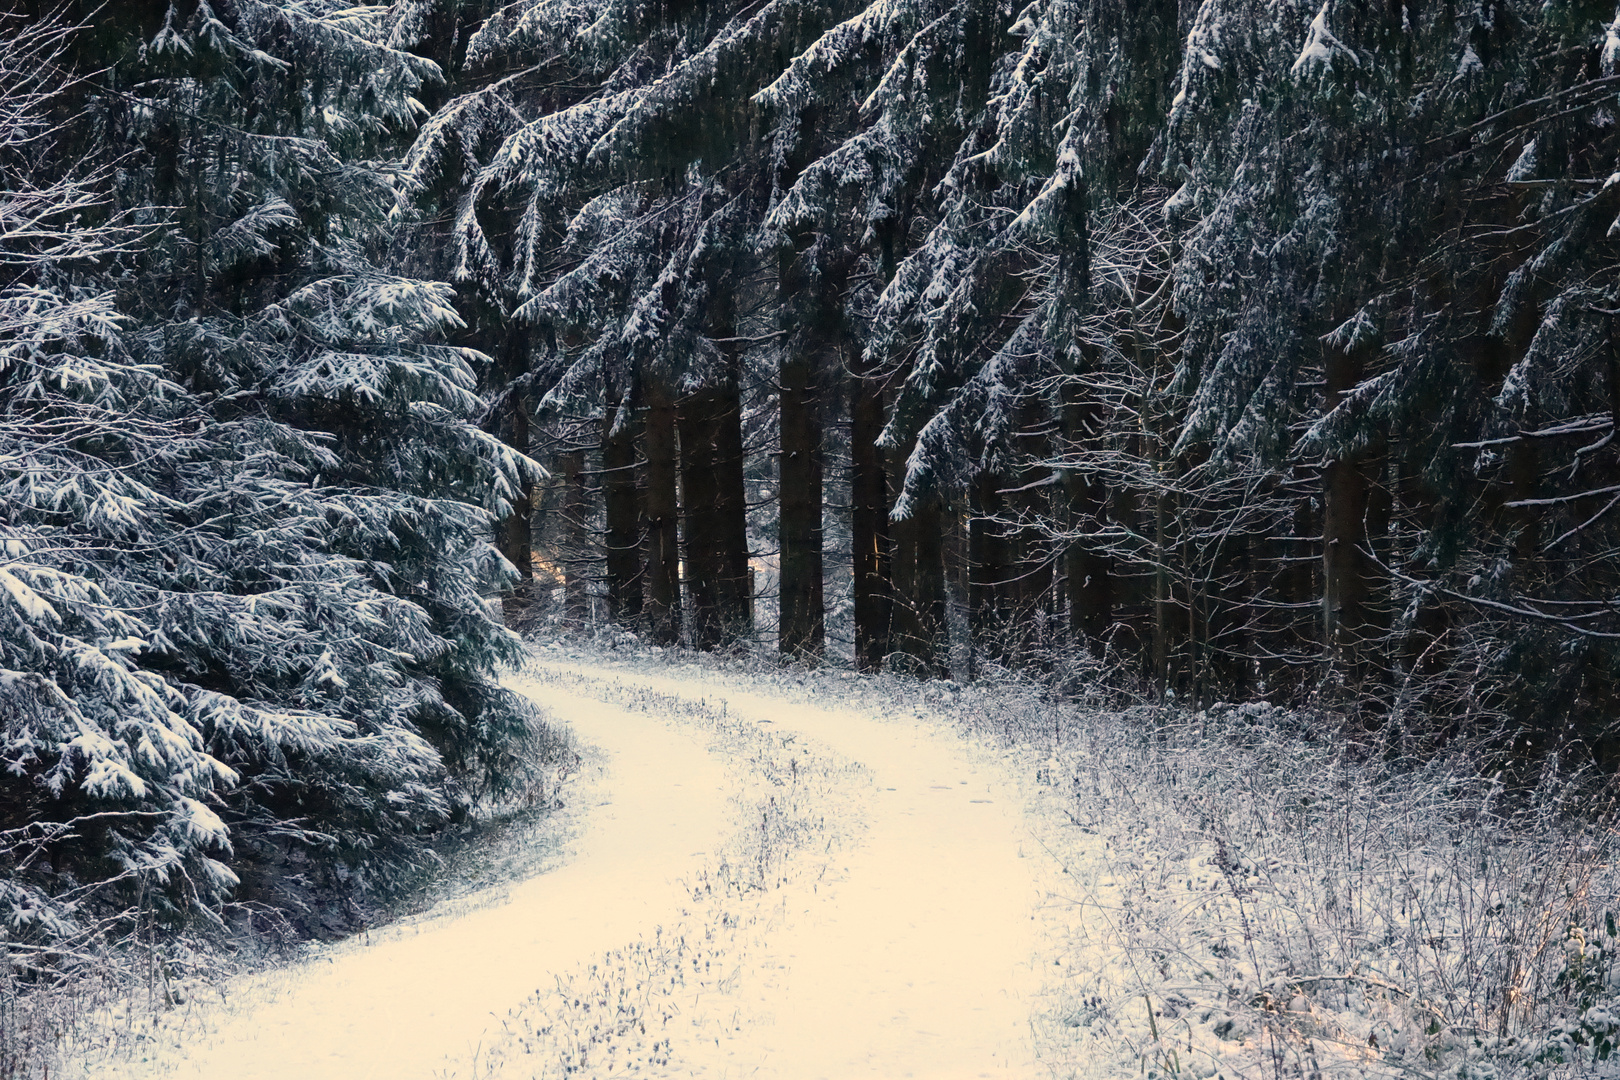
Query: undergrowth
x=1255 y=895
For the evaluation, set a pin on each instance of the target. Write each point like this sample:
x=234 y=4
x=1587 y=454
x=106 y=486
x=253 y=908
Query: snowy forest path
x=916 y=958
x=898 y=939
x=416 y=1000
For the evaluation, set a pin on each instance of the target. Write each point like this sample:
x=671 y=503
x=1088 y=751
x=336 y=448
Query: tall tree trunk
x=623 y=512
x=699 y=416
x=802 y=631
x=663 y=536
x=869 y=532
x=716 y=515
x=1164 y=619
x=958 y=641
x=918 y=629
x=988 y=557
x=905 y=627
x=1344 y=571
x=1030 y=586
x=731 y=507
x=577 y=556
x=932 y=642
x=516 y=539
x=1088 y=570
x=1350 y=627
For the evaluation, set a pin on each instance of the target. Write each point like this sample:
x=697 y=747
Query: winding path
x=914 y=959
x=918 y=963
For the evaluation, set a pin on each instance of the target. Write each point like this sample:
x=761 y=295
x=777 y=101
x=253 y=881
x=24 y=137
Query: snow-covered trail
x=909 y=951
x=919 y=959
x=419 y=1001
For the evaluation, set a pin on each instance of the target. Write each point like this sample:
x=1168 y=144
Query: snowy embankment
x=792 y=874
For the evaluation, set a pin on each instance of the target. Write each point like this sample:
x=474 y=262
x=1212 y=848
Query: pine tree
x=250 y=594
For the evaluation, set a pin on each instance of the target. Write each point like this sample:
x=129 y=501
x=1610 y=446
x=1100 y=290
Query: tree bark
x=1029 y=589
x=870 y=541
x=1090 y=572
x=576 y=555
x=1350 y=626
x=663 y=536
x=904 y=625
x=1163 y=613
x=929 y=592
x=802 y=631
x=918 y=568
x=958 y=634
x=516 y=537
x=623 y=512
x=716 y=515
x=987 y=574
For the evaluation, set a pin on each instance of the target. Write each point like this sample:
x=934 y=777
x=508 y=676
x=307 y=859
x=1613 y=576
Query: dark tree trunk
x=1029 y=591
x=716 y=515
x=1090 y=572
x=869 y=532
x=958 y=644
x=576 y=554
x=988 y=560
x=731 y=506
x=932 y=641
x=1290 y=629
x=918 y=628
x=802 y=632
x=1229 y=627
x=1166 y=625
x=1344 y=566
x=917 y=580
x=516 y=539
x=1351 y=625
x=663 y=536
x=904 y=625
x=623 y=513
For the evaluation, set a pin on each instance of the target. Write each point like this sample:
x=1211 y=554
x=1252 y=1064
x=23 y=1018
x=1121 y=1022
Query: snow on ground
x=758 y=887
x=918 y=958
x=416 y=1001
x=795 y=874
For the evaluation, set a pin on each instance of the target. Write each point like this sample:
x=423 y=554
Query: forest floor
x=770 y=872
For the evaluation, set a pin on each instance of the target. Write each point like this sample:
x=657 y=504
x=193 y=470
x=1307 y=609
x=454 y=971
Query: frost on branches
x=243 y=532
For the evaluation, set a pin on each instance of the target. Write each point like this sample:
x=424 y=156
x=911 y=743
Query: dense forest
x=1207 y=350
x=1227 y=350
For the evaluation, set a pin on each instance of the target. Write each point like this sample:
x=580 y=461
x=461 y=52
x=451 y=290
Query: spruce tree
x=250 y=594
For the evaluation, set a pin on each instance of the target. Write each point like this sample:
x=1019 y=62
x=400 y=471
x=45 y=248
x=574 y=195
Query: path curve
x=920 y=962
x=419 y=1001
x=915 y=957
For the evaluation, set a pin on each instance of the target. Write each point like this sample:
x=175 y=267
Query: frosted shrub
x=1251 y=892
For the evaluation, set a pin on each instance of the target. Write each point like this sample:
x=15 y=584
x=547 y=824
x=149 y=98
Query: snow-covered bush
x=1260 y=892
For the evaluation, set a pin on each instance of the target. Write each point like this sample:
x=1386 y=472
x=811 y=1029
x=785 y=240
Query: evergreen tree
x=1243 y=336
x=248 y=505
x=658 y=162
